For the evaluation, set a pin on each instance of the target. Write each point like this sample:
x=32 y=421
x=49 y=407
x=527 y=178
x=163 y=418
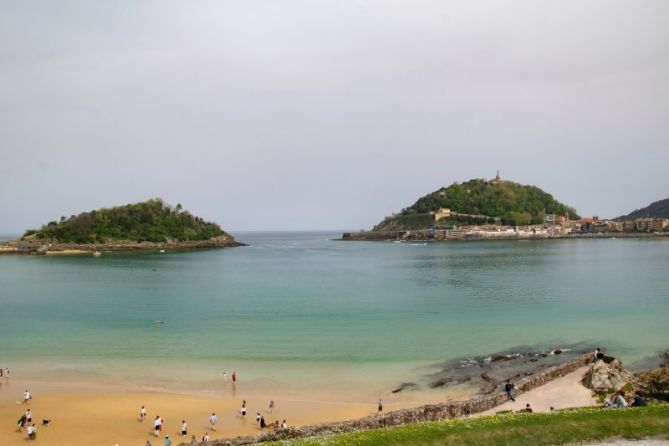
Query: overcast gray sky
x=327 y=114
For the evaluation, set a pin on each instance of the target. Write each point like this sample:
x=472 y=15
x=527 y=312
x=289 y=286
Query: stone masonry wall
x=430 y=412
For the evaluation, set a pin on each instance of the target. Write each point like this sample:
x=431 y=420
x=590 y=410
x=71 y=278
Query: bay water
x=300 y=309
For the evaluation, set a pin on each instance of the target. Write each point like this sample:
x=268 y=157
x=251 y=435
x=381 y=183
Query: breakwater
x=430 y=412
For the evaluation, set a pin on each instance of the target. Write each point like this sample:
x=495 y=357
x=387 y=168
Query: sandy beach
x=103 y=414
x=97 y=414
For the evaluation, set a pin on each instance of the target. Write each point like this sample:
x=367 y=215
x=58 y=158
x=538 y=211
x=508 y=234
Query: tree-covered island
x=152 y=224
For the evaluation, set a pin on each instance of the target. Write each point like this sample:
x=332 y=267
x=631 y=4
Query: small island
x=147 y=226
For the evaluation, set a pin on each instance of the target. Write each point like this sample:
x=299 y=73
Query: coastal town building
x=651 y=224
x=629 y=226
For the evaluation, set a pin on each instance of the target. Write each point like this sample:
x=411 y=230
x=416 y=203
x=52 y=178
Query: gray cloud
x=327 y=114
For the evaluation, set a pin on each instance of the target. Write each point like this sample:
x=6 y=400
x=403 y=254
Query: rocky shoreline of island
x=50 y=247
x=431 y=235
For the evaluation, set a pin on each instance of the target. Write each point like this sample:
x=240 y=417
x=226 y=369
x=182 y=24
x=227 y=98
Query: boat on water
x=97 y=254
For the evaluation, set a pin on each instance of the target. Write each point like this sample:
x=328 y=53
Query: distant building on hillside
x=441 y=214
x=497 y=179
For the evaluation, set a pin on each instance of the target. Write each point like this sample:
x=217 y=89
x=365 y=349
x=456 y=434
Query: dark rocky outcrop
x=488 y=373
x=654 y=383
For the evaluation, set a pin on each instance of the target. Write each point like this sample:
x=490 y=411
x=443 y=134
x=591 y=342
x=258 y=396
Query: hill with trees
x=480 y=201
x=658 y=209
x=150 y=221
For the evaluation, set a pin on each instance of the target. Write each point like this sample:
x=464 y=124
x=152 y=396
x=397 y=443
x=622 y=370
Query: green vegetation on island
x=658 y=209
x=150 y=221
x=553 y=428
x=479 y=202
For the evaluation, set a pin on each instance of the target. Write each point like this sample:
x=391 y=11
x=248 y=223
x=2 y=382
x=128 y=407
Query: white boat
x=162 y=250
x=97 y=254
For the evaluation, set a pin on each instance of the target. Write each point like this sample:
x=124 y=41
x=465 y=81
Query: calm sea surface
x=300 y=305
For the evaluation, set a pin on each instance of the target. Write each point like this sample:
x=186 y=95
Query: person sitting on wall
x=510 y=390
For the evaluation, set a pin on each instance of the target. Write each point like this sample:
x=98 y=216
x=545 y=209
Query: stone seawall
x=430 y=412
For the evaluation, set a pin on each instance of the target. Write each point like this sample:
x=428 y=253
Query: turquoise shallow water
x=299 y=304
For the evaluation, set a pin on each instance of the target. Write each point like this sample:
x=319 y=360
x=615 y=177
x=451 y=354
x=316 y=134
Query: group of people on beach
x=158 y=423
x=26 y=419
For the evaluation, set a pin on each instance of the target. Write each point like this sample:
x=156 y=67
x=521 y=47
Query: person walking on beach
x=27 y=396
x=258 y=418
x=510 y=390
x=168 y=442
x=212 y=421
x=142 y=414
x=242 y=410
x=156 y=426
x=225 y=377
x=184 y=428
x=32 y=432
x=380 y=406
x=284 y=425
x=148 y=443
x=22 y=422
x=262 y=422
x=29 y=416
x=193 y=440
x=205 y=437
x=234 y=376
x=271 y=406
